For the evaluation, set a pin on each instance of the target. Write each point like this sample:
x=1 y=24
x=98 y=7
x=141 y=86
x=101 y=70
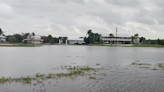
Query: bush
x=12 y=39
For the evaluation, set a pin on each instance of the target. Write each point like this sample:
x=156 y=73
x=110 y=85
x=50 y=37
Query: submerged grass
x=160 y=65
x=157 y=66
x=72 y=72
x=134 y=63
x=154 y=68
x=91 y=77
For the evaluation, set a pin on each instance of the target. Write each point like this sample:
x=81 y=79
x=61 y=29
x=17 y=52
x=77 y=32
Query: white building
x=33 y=40
x=120 y=39
x=2 y=38
x=75 y=41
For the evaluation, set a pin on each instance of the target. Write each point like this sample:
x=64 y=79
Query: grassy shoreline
x=36 y=45
x=20 y=45
x=149 y=45
x=133 y=45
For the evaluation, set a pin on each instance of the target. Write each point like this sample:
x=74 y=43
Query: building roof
x=1 y=36
x=114 y=34
x=77 y=39
x=35 y=38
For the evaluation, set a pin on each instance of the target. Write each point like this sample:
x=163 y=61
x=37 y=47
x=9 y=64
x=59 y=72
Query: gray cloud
x=130 y=3
x=75 y=17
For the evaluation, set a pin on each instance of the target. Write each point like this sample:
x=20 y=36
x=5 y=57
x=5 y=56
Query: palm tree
x=142 y=40
x=50 y=39
x=89 y=32
x=90 y=36
x=112 y=36
x=132 y=37
x=32 y=36
x=136 y=38
x=25 y=35
x=1 y=32
x=136 y=35
x=97 y=37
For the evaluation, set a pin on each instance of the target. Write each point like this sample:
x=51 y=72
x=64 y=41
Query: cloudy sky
x=74 y=17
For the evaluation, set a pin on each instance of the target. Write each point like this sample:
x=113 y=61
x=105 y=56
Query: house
x=75 y=41
x=120 y=39
x=2 y=38
x=33 y=40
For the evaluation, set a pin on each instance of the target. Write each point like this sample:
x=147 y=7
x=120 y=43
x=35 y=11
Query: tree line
x=90 y=38
x=94 y=38
x=17 y=38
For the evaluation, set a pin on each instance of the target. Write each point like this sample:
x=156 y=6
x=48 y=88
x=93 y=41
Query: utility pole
x=116 y=37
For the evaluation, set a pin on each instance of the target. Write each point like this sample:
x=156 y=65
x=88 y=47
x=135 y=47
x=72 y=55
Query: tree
x=12 y=39
x=33 y=34
x=89 y=32
x=51 y=40
x=86 y=40
x=112 y=36
x=142 y=40
x=132 y=37
x=97 y=37
x=25 y=35
x=159 y=41
x=1 y=32
x=135 y=38
x=19 y=37
x=136 y=35
x=92 y=37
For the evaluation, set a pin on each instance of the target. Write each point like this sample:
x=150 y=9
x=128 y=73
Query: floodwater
x=119 y=74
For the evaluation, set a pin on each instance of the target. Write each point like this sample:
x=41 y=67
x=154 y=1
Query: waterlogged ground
x=81 y=69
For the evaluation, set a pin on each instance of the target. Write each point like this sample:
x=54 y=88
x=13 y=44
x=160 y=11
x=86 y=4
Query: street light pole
x=116 y=37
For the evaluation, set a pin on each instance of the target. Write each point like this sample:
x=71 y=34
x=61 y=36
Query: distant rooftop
x=76 y=39
x=1 y=36
x=118 y=35
x=36 y=37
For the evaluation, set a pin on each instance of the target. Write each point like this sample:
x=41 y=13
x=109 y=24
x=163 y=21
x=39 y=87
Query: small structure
x=33 y=40
x=76 y=41
x=120 y=39
x=2 y=38
x=63 y=40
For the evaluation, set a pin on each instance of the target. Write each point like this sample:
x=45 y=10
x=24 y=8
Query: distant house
x=2 y=38
x=120 y=39
x=33 y=40
x=75 y=41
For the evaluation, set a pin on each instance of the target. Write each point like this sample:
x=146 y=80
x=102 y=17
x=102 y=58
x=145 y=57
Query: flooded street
x=117 y=73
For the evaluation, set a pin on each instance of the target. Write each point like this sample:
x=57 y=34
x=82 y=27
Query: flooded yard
x=64 y=68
